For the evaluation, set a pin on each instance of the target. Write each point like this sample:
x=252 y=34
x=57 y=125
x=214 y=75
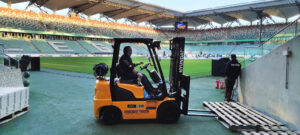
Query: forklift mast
x=179 y=83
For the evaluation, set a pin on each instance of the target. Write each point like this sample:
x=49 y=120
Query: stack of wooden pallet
x=271 y=130
x=13 y=102
x=238 y=117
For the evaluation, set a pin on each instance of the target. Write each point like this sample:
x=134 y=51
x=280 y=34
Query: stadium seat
x=43 y=46
x=18 y=46
x=77 y=49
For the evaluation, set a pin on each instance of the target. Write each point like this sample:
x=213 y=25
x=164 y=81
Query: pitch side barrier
x=105 y=55
x=63 y=55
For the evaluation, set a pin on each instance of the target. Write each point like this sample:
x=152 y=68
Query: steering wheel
x=145 y=66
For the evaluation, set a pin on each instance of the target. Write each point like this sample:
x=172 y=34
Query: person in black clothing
x=232 y=71
x=129 y=72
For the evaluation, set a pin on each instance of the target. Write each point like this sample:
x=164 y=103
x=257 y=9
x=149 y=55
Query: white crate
x=22 y=98
x=17 y=100
x=11 y=102
x=26 y=96
x=13 y=99
x=3 y=104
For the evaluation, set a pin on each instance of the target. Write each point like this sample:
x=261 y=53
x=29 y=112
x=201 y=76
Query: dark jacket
x=233 y=69
x=127 y=67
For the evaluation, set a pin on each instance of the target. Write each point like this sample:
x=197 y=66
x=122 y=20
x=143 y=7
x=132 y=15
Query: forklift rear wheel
x=111 y=115
x=168 y=112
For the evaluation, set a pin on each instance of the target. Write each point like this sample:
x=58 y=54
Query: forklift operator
x=130 y=73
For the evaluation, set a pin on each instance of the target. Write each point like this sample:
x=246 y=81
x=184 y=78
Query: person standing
x=232 y=72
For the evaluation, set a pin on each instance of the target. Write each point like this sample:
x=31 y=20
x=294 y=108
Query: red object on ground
x=217 y=84
x=222 y=85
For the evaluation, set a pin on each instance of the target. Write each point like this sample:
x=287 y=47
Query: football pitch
x=192 y=67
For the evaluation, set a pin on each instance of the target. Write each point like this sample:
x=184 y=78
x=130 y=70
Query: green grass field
x=192 y=67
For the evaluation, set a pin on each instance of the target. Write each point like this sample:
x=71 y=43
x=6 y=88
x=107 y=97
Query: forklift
x=116 y=99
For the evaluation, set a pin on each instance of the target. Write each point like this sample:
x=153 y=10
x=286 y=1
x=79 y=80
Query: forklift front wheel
x=168 y=112
x=111 y=115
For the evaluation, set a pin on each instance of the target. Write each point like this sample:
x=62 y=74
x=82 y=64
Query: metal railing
x=6 y=61
x=289 y=32
x=11 y=62
x=285 y=34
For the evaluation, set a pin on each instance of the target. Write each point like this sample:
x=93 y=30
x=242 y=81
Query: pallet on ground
x=14 y=115
x=237 y=117
x=270 y=133
x=13 y=101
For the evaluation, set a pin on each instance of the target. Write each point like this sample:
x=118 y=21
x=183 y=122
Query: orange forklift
x=116 y=99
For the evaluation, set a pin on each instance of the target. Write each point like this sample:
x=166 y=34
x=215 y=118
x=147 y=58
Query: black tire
x=168 y=112
x=111 y=115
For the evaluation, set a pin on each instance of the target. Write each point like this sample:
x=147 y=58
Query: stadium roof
x=248 y=11
x=14 y=1
x=160 y=16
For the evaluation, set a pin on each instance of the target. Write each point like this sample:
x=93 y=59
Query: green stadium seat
x=18 y=44
x=43 y=46
x=106 y=46
x=88 y=46
x=77 y=49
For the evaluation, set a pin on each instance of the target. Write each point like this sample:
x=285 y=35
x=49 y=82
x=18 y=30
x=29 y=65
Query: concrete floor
x=61 y=105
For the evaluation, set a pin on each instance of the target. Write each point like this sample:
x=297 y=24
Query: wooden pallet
x=237 y=117
x=14 y=115
x=270 y=133
x=274 y=130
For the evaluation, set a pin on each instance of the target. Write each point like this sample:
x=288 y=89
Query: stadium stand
x=88 y=46
x=43 y=46
x=70 y=47
x=17 y=45
x=30 y=20
x=14 y=45
x=164 y=51
x=218 y=49
x=240 y=49
x=236 y=33
x=74 y=36
x=248 y=49
x=103 y=47
x=195 y=49
x=20 y=19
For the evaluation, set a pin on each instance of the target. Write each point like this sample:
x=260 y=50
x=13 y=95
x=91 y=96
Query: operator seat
x=120 y=73
x=121 y=93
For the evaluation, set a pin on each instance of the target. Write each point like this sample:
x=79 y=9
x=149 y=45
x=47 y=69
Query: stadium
x=50 y=50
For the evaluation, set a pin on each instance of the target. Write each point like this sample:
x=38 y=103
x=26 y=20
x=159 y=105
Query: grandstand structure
x=49 y=35
x=269 y=84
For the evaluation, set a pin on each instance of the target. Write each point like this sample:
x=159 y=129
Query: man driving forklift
x=118 y=99
x=129 y=73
